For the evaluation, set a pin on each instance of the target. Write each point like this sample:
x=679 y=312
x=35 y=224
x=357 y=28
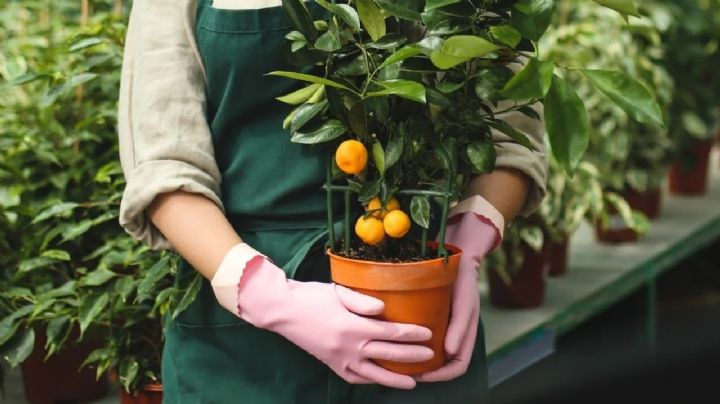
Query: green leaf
x=90 y=308
x=76 y=230
x=482 y=156
x=410 y=90
x=97 y=277
x=624 y=7
x=60 y=255
x=530 y=83
x=35 y=263
x=533 y=237
x=393 y=151
x=461 y=48
x=309 y=78
x=378 y=155
x=490 y=81
x=330 y=40
x=506 y=34
x=305 y=113
x=124 y=287
x=55 y=334
x=431 y=5
x=405 y=9
x=448 y=87
x=400 y=55
x=330 y=130
x=532 y=17
x=62 y=210
x=567 y=124
x=389 y=41
x=85 y=43
x=9 y=324
x=300 y=96
x=20 y=347
x=629 y=94
x=128 y=371
x=26 y=78
x=189 y=295
x=345 y=12
x=514 y=134
x=300 y=18
x=159 y=270
x=420 y=211
x=372 y=19
x=369 y=190
x=357 y=117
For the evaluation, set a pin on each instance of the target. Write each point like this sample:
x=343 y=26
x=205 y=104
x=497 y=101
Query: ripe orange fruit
x=396 y=224
x=351 y=156
x=370 y=230
x=375 y=206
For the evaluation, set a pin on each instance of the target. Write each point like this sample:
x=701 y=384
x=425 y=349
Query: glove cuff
x=226 y=281
x=482 y=208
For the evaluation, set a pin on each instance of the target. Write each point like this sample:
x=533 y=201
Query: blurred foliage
x=627 y=154
x=65 y=262
x=691 y=38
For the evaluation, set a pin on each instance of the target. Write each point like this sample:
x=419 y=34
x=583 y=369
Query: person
x=211 y=174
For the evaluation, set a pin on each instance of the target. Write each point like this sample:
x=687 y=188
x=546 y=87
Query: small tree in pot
x=405 y=92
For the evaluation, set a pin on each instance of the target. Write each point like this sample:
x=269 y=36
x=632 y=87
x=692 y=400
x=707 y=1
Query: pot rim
x=388 y=276
x=450 y=247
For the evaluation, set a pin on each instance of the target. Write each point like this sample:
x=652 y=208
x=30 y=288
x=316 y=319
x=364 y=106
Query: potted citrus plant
x=405 y=96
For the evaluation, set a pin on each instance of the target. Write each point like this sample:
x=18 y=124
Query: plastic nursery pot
x=150 y=394
x=59 y=379
x=527 y=285
x=414 y=293
x=689 y=176
x=648 y=202
x=558 y=255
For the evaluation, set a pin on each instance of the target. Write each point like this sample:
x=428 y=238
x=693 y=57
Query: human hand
x=327 y=321
x=476 y=236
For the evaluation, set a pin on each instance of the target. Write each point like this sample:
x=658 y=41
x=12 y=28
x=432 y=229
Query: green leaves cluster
x=434 y=73
x=67 y=269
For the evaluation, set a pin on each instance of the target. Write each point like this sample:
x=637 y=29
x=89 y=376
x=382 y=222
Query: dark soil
x=390 y=250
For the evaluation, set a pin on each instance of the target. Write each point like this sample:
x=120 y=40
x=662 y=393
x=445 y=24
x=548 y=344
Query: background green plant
x=691 y=37
x=628 y=155
x=66 y=263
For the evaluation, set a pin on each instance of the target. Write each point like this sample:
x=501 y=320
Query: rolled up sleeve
x=165 y=141
x=534 y=163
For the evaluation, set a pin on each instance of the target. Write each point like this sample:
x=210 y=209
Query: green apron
x=271 y=191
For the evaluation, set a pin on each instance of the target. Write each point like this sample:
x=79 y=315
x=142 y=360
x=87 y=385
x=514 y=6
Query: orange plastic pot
x=414 y=293
x=691 y=177
x=150 y=394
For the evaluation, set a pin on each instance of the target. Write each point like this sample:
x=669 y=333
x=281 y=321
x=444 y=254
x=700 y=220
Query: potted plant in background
x=691 y=35
x=631 y=157
x=72 y=280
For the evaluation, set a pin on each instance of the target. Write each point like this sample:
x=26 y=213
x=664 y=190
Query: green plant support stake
x=423 y=243
x=346 y=224
x=328 y=195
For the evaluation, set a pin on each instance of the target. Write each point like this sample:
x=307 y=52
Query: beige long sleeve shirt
x=165 y=140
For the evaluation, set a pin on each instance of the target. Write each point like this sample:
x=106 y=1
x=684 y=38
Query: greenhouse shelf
x=598 y=277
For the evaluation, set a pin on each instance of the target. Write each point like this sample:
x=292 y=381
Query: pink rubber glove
x=326 y=321
x=476 y=227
